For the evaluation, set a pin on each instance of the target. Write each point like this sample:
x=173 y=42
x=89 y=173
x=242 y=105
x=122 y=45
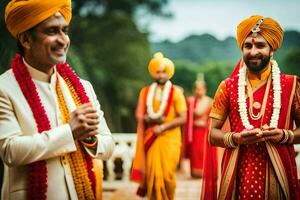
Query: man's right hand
x=248 y=136
x=84 y=122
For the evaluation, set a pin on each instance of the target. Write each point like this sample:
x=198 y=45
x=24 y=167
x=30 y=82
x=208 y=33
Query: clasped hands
x=158 y=127
x=84 y=122
x=256 y=135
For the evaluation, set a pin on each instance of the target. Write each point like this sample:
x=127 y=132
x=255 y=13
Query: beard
x=256 y=66
x=160 y=81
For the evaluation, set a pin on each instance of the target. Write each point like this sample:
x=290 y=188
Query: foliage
x=214 y=73
x=117 y=58
x=7 y=42
x=292 y=62
x=112 y=7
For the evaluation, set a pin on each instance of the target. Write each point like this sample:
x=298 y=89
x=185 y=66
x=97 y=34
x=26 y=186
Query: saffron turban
x=160 y=62
x=22 y=15
x=269 y=29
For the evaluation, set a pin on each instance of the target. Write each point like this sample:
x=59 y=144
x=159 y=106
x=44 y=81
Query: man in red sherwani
x=262 y=105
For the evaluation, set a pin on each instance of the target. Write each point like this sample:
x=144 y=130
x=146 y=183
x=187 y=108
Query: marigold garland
x=79 y=95
x=37 y=175
x=82 y=183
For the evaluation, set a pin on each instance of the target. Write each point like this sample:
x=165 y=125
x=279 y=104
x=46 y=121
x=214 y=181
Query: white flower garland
x=276 y=96
x=164 y=100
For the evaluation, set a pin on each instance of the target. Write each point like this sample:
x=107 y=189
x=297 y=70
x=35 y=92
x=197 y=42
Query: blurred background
x=112 y=42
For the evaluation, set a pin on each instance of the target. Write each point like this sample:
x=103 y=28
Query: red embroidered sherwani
x=263 y=170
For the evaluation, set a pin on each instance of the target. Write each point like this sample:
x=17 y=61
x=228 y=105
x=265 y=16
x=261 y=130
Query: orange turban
x=21 y=15
x=159 y=62
x=269 y=29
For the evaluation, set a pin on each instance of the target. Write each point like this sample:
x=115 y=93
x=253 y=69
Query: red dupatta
x=188 y=128
x=210 y=169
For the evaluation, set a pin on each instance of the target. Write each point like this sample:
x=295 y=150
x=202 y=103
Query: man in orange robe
x=160 y=112
x=262 y=105
x=199 y=107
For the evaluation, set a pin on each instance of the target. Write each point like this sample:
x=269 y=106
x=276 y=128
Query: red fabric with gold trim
x=210 y=170
x=247 y=153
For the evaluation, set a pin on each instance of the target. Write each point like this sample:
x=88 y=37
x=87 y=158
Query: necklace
x=242 y=76
x=256 y=104
x=164 y=99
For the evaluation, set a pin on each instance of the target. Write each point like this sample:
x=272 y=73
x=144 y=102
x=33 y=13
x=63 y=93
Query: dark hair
x=20 y=48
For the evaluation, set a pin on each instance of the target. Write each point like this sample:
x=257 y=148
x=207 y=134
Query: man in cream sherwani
x=52 y=130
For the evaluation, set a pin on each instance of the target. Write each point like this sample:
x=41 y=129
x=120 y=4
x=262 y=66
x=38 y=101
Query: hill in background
x=217 y=58
x=205 y=47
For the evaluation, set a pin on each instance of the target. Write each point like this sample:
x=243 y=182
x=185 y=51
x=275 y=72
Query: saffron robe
x=156 y=158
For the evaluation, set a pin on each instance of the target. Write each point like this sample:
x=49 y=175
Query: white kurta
x=21 y=144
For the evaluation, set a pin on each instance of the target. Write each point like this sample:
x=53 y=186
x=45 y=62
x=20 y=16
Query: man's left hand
x=273 y=135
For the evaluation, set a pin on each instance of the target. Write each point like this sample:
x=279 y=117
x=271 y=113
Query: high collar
x=256 y=79
x=39 y=75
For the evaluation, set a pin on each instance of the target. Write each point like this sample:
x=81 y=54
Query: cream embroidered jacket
x=21 y=144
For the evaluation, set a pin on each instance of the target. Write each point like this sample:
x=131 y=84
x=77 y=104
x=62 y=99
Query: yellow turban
x=22 y=15
x=269 y=29
x=159 y=62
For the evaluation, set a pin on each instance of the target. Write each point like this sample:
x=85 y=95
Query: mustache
x=160 y=82
x=255 y=57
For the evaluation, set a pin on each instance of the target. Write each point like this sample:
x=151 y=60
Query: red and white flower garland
x=37 y=175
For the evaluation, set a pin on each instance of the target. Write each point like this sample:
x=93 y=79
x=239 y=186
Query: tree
x=292 y=62
x=112 y=7
x=7 y=42
x=117 y=64
x=214 y=72
x=117 y=53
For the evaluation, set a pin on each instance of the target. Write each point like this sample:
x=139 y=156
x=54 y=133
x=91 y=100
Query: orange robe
x=154 y=165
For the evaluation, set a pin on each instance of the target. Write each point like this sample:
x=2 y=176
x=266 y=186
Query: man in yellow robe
x=161 y=110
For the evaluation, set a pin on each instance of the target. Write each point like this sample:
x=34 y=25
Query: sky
x=218 y=17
